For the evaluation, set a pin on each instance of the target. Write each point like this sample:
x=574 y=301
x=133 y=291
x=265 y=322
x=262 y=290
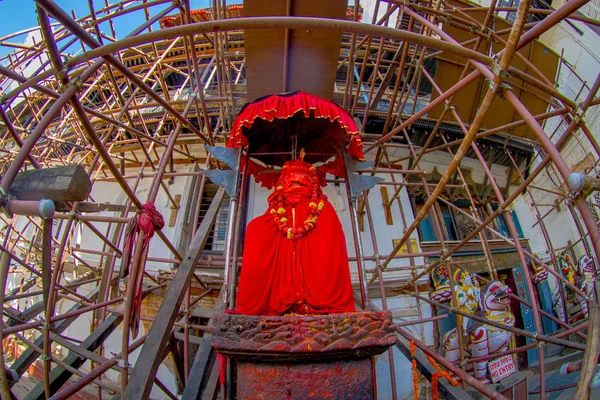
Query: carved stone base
x=351 y=379
x=304 y=357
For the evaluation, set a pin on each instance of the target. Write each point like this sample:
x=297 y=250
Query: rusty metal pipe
x=475 y=383
x=43 y=208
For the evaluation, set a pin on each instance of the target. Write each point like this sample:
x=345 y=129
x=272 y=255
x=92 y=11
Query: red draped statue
x=295 y=258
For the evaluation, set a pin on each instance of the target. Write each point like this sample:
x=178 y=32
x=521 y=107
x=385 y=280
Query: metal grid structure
x=130 y=110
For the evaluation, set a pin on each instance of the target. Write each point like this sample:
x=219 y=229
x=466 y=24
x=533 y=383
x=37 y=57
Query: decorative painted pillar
x=540 y=278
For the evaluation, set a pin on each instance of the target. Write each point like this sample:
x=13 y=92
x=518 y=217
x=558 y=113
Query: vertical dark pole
x=46 y=257
x=362 y=277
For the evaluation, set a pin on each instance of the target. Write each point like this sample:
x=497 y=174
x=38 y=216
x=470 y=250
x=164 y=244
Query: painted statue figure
x=581 y=276
x=468 y=293
x=295 y=258
x=482 y=339
x=567 y=269
x=585 y=278
x=441 y=283
x=540 y=273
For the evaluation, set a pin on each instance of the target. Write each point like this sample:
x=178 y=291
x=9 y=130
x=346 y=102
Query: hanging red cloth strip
x=148 y=220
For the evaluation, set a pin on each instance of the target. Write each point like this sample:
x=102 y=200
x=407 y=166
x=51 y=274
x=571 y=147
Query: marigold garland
x=414 y=368
x=436 y=376
x=277 y=208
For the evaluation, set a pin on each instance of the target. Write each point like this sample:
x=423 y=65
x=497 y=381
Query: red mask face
x=297 y=187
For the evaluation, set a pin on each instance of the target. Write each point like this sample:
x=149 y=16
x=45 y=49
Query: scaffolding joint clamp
x=121 y=362
x=579 y=116
x=62 y=74
x=45 y=357
x=447 y=107
x=77 y=82
x=499 y=72
x=499 y=88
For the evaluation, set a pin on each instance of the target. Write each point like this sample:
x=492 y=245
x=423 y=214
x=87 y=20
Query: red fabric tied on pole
x=147 y=221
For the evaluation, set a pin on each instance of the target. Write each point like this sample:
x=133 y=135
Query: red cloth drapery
x=310 y=275
x=147 y=221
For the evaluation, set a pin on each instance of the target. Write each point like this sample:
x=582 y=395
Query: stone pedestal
x=304 y=357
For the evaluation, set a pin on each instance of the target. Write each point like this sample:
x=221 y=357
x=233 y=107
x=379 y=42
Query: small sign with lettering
x=501 y=367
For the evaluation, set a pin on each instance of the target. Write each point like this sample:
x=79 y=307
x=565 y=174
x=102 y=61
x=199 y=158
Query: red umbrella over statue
x=277 y=127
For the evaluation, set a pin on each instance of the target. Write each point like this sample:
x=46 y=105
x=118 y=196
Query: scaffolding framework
x=132 y=110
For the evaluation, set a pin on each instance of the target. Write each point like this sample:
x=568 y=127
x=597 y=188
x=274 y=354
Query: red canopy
x=278 y=123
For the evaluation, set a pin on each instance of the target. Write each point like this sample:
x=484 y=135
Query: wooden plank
x=31 y=312
x=360 y=212
x=387 y=208
x=193 y=389
x=193 y=339
x=174 y=209
x=28 y=314
x=391 y=71
x=59 y=376
x=142 y=377
x=212 y=386
x=80 y=350
x=28 y=284
x=201 y=312
x=29 y=356
x=197 y=389
x=88 y=207
x=68 y=183
x=177 y=355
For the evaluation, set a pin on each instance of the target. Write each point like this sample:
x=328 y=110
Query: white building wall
x=111 y=192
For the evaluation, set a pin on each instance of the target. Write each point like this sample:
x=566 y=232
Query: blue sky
x=17 y=15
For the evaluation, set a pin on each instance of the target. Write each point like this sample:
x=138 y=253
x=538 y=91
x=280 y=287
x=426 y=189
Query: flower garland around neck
x=279 y=215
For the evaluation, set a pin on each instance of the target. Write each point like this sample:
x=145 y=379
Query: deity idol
x=295 y=258
x=493 y=303
x=467 y=292
x=585 y=272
